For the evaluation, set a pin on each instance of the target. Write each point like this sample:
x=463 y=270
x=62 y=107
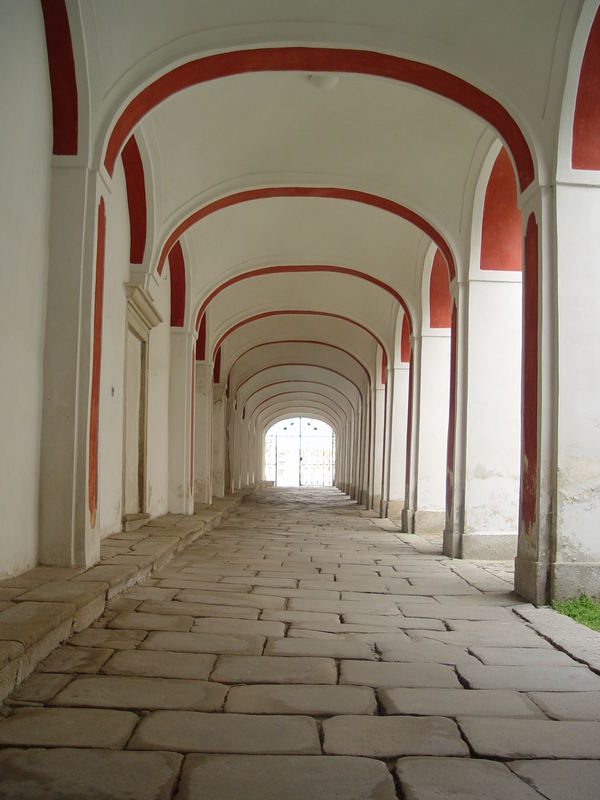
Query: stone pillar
x=431 y=422
x=218 y=440
x=181 y=446
x=69 y=531
x=203 y=433
x=378 y=400
x=398 y=384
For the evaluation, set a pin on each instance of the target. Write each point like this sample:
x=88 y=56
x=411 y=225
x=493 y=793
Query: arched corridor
x=381 y=217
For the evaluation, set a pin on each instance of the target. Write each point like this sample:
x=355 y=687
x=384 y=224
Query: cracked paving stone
x=67 y=774
x=75 y=659
x=160 y=664
x=530 y=679
x=193 y=731
x=40 y=687
x=138 y=620
x=67 y=727
x=238 y=626
x=460 y=779
x=292 y=777
x=390 y=674
x=112 y=691
x=319 y=647
x=275 y=669
x=386 y=737
x=203 y=643
x=569 y=705
x=458 y=702
x=318 y=701
x=103 y=638
x=561 y=779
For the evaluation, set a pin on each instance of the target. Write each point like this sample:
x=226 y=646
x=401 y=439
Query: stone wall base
x=489 y=546
x=570 y=579
x=531 y=580
x=429 y=521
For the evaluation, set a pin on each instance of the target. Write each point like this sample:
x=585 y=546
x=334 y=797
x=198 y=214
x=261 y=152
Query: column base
x=408 y=520
x=571 y=579
x=131 y=522
x=489 y=546
x=452 y=544
x=531 y=580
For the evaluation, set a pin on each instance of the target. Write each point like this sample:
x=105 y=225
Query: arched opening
x=300 y=451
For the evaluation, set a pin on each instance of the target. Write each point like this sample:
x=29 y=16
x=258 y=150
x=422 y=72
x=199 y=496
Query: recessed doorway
x=300 y=451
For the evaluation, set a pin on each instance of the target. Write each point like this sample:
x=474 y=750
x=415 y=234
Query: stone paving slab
x=392 y=621
x=112 y=691
x=274 y=669
x=76 y=659
x=458 y=702
x=531 y=738
x=39 y=688
x=461 y=779
x=530 y=679
x=561 y=779
x=386 y=675
x=240 y=626
x=67 y=727
x=155 y=593
x=115 y=639
x=292 y=777
x=569 y=705
x=67 y=774
x=300 y=616
x=195 y=732
x=426 y=652
x=319 y=647
x=29 y=622
x=522 y=657
x=198 y=609
x=80 y=593
x=160 y=664
x=387 y=737
x=203 y=643
x=138 y=620
x=316 y=701
x=233 y=599
x=382 y=607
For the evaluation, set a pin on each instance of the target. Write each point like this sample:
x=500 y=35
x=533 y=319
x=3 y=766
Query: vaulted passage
x=306 y=649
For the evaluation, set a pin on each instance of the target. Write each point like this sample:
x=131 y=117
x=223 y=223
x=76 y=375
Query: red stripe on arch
x=63 y=81
x=136 y=200
x=266 y=314
x=324 y=59
x=300 y=268
x=323 y=193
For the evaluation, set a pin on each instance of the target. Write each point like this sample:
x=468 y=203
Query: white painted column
x=218 y=440
x=576 y=566
x=181 y=490
x=378 y=395
x=203 y=433
x=432 y=432
x=398 y=381
x=67 y=535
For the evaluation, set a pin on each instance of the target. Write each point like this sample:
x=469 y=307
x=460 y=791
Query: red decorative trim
x=440 y=302
x=63 y=82
x=405 y=341
x=136 y=200
x=201 y=341
x=586 y=123
x=302 y=341
x=295 y=380
x=384 y=367
x=96 y=364
x=502 y=227
x=298 y=364
x=266 y=314
x=315 y=394
x=409 y=416
x=217 y=365
x=451 y=414
x=177 y=272
x=323 y=59
x=530 y=379
x=330 y=193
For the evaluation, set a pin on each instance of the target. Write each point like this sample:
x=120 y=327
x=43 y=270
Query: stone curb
x=48 y=604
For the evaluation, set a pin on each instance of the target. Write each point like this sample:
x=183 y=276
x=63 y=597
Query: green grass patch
x=583 y=609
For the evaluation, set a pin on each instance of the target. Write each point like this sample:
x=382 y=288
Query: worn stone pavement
x=306 y=651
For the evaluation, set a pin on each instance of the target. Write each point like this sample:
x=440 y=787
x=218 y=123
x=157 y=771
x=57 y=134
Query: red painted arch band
x=136 y=200
x=322 y=193
x=63 y=82
x=301 y=341
x=298 y=269
x=323 y=59
x=266 y=314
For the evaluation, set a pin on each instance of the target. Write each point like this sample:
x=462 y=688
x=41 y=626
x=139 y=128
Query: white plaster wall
x=493 y=407
x=26 y=144
x=157 y=454
x=110 y=432
x=433 y=422
x=578 y=456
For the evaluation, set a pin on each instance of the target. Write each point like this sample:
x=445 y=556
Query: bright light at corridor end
x=300 y=451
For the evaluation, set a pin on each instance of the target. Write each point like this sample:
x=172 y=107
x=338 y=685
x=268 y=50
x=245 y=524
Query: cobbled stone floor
x=305 y=651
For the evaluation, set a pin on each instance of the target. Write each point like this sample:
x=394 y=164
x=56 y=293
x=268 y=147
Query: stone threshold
x=42 y=607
